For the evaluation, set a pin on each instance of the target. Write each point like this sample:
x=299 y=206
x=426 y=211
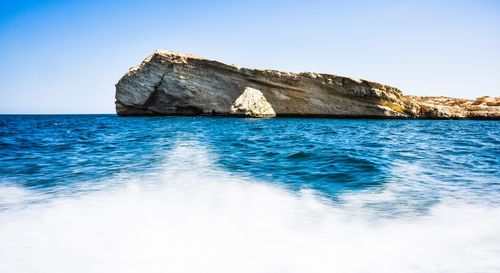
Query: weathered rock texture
x=169 y=83
x=252 y=103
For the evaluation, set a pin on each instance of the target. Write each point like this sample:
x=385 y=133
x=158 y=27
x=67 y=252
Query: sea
x=102 y=193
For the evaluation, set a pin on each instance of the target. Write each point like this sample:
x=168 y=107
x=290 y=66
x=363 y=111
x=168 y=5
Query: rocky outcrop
x=169 y=83
x=252 y=103
x=453 y=108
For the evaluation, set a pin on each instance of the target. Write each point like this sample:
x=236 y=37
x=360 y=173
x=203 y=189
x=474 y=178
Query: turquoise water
x=99 y=193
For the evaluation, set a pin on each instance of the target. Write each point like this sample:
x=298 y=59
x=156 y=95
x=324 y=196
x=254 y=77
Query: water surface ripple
x=178 y=194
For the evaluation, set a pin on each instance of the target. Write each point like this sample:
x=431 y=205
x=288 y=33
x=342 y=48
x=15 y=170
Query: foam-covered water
x=108 y=194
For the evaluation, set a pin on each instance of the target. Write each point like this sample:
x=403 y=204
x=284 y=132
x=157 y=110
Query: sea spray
x=193 y=216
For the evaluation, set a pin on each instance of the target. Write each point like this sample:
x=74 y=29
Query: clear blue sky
x=66 y=56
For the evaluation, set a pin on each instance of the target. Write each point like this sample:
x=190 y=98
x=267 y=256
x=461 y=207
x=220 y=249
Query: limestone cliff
x=169 y=83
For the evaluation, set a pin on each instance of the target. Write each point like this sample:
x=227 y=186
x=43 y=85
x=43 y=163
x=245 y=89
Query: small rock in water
x=252 y=103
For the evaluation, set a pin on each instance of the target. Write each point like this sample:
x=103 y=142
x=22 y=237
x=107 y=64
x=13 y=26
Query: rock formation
x=169 y=83
x=252 y=103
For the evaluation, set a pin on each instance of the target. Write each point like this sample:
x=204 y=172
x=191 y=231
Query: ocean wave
x=192 y=216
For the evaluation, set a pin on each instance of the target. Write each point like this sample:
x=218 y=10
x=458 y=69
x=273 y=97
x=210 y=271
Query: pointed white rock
x=252 y=103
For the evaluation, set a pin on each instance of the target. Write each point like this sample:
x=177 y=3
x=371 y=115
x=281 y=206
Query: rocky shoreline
x=170 y=83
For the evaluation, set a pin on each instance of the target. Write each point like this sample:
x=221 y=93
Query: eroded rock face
x=169 y=83
x=252 y=103
x=446 y=107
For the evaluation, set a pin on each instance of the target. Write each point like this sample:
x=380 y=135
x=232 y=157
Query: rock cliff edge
x=169 y=83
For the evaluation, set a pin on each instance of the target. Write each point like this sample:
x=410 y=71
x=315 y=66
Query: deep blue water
x=328 y=155
x=377 y=168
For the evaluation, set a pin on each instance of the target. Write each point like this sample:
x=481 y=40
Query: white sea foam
x=194 y=217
